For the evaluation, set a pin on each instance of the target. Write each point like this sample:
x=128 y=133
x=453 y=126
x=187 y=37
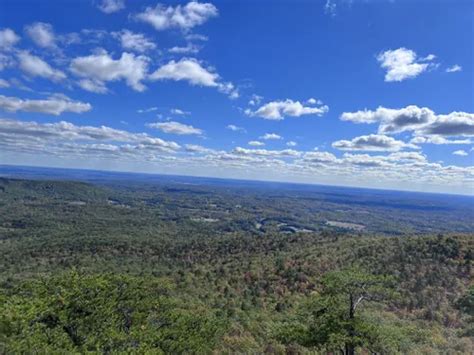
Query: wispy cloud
x=173 y=127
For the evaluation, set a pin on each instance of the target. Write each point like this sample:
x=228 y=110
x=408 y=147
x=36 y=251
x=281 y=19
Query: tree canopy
x=74 y=312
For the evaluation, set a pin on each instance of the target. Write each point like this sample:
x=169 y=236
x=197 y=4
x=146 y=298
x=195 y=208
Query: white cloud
x=402 y=64
x=407 y=169
x=434 y=139
x=453 y=69
x=267 y=153
x=6 y=61
x=453 y=124
x=313 y=101
x=372 y=142
x=190 y=70
x=35 y=66
x=461 y=153
x=269 y=136
x=68 y=139
x=134 y=41
x=194 y=148
x=8 y=38
x=94 y=86
x=255 y=100
x=190 y=48
x=173 y=127
x=229 y=89
x=111 y=6
x=365 y=160
x=185 y=17
x=102 y=67
x=291 y=144
x=41 y=34
x=256 y=143
x=179 y=112
x=422 y=121
x=4 y=83
x=407 y=157
x=146 y=110
x=54 y=105
x=278 y=110
x=392 y=120
x=235 y=128
x=195 y=37
x=330 y=8
x=319 y=157
x=16 y=83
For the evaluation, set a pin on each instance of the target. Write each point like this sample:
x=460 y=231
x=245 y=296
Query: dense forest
x=179 y=267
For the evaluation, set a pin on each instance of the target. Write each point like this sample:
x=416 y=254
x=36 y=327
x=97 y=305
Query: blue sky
x=361 y=93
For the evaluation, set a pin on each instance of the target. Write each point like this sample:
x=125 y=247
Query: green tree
x=336 y=320
x=466 y=305
x=77 y=313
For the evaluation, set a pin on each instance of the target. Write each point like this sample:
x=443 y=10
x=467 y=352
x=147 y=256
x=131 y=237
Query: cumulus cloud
x=65 y=138
x=163 y=17
x=421 y=120
x=278 y=110
x=194 y=148
x=54 y=105
x=453 y=124
x=291 y=144
x=35 y=66
x=188 y=70
x=134 y=41
x=111 y=6
x=256 y=143
x=403 y=63
x=191 y=70
x=173 y=127
x=409 y=167
x=461 y=153
x=453 y=69
x=8 y=38
x=402 y=168
x=313 y=101
x=101 y=67
x=407 y=157
x=392 y=120
x=271 y=136
x=42 y=34
x=372 y=142
x=365 y=160
x=320 y=157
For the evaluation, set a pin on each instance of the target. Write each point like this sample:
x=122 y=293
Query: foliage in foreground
x=335 y=322
x=102 y=313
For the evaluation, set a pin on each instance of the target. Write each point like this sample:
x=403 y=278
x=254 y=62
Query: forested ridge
x=151 y=268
